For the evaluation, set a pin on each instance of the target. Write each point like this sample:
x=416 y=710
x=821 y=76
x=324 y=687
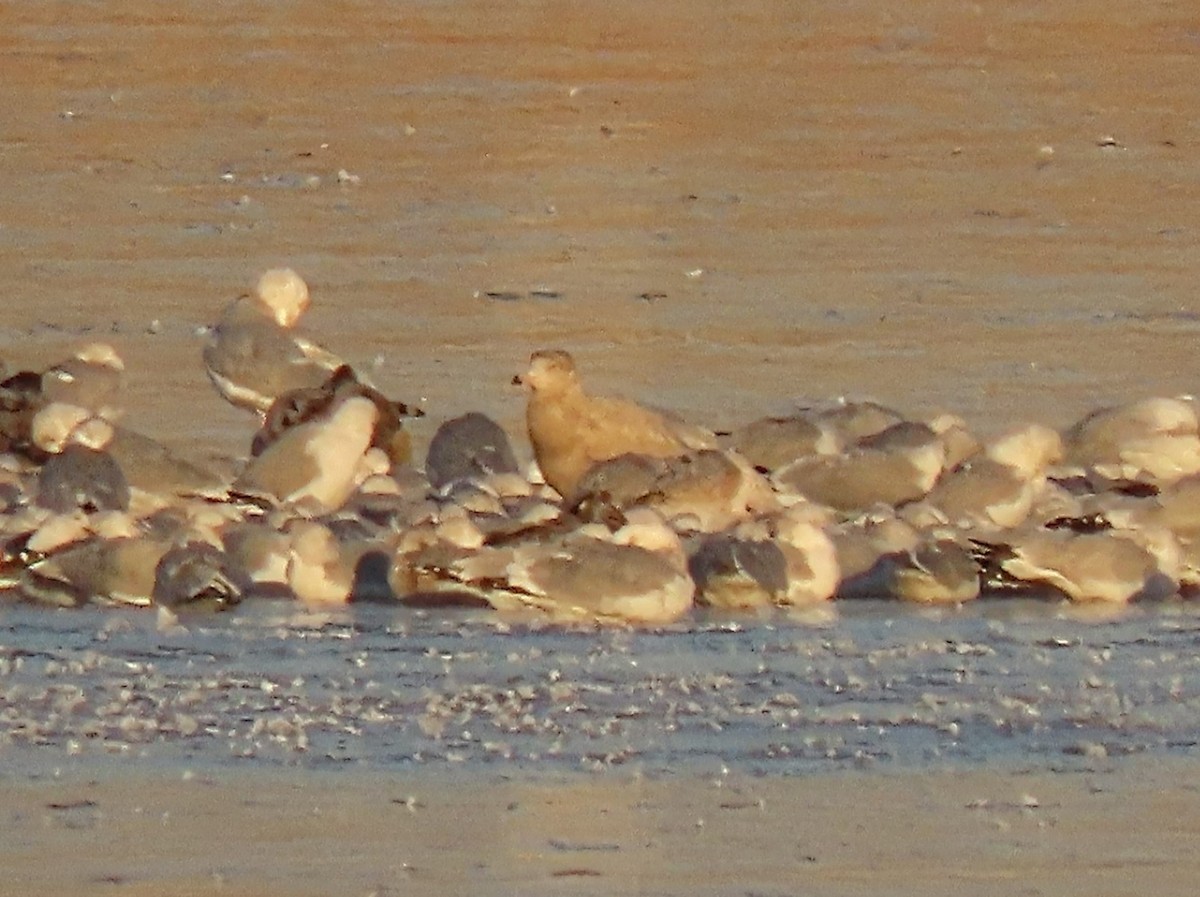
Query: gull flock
x=631 y=515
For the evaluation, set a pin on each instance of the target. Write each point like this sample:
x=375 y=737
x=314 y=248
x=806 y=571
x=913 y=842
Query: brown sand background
x=825 y=198
x=862 y=186
x=293 y=833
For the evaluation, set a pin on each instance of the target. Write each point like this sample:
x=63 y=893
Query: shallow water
x=1001 y=683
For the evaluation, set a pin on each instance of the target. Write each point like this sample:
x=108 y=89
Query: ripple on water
x=388 y=688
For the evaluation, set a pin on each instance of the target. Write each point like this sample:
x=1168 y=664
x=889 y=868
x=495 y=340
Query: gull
x=699 y=491
x=571 y=430
x=785 y=560
x=197 y=576
x=79 y=472
x=317 y=464
x=90 y=379
x=469 y=446
x=851 y=421
x=320 y=572
x=155 y=470
x=997 y=487
x=112 y=571
x=300 y=405
x=960 y=442
x=132 y=566
x=867 y=546
x=1157 y=437
x=637 y=574
x=1091 y=562
x=772 y=442
x=940 y=569
x=88 y=454
x=260 y=549
x=20 y=401
x=896 y=465
x=254 y=353
x=1176 y=510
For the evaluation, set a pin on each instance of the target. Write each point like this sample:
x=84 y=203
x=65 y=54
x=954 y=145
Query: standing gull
x=254 y=354
x=571 y=430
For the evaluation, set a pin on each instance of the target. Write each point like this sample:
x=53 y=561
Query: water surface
x=881 y=686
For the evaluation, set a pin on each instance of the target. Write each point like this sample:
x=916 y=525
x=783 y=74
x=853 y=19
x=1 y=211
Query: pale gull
x=1096 y=564
x=997 y=487
x=898 y=464
x=254 y=353
x=315 y=464
x=90 y=379
x=1157 y=437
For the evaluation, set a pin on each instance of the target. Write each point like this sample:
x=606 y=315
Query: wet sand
x=949 y=205
x=1125 y=831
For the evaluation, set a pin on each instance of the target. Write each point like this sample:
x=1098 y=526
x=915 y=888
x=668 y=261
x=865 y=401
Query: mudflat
x=947 y=206
x=1128 y=828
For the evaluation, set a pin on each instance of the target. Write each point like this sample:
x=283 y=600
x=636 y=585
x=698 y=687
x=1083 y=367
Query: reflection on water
x=382 y=688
